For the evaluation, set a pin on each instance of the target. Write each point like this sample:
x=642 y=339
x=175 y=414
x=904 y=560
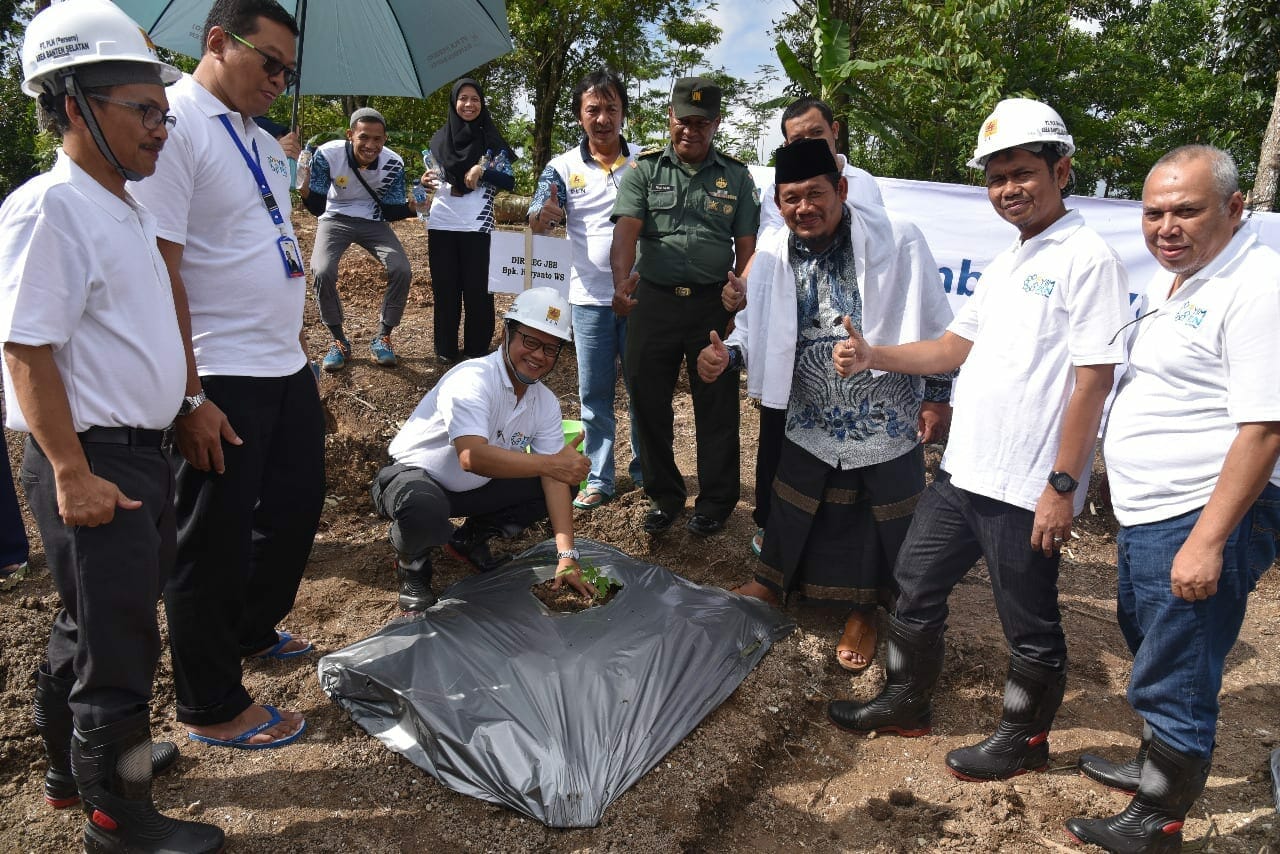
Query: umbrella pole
x=297 y=89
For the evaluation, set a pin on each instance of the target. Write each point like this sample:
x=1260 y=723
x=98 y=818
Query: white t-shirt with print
x=476 y=398
x=1044 y=306
x=1201 y=365
x=246 y=312
x=80 y=270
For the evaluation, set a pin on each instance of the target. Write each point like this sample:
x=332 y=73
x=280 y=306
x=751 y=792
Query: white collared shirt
x=476 y=398
x=246 y=313
x=79 y=270
x=1043 y=307
x=1202 y=364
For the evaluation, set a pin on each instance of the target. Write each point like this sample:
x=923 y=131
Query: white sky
x=745 y=45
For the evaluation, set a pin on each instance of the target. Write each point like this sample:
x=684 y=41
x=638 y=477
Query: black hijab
x=461 y=144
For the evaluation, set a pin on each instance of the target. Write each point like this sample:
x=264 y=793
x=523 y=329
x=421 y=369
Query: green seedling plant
x=596 y=577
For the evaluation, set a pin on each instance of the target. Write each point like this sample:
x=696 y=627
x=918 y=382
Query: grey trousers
x=337 y=232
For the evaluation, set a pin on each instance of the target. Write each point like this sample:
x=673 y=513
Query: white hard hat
x=83 y=32
x=1019 y=122
x=545 y=309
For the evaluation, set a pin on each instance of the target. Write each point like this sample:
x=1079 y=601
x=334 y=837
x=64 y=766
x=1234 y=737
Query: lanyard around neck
x=264 y=189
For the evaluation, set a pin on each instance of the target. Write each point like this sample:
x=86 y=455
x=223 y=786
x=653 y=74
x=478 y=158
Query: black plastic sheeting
x=554 y=715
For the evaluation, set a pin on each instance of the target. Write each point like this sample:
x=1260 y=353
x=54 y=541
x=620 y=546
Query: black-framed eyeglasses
x=549 y=350
x=270 y=64
x=152 y=116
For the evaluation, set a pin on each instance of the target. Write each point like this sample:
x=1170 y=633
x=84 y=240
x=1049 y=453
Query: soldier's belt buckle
x=682 y=292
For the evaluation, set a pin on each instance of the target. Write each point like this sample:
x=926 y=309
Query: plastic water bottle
x=304 y=166
x=420 y=194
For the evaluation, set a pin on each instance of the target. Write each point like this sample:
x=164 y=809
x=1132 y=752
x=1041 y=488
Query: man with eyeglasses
x=486 y=443
x=250 y=431
x=1191 y=445
x=685 y=220
x=93 y=374
x=578 y=189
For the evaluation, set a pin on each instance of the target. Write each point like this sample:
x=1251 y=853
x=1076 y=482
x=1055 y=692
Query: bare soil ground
x=764 y=773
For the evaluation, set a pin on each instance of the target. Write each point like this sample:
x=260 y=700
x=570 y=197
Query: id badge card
x=291 y=256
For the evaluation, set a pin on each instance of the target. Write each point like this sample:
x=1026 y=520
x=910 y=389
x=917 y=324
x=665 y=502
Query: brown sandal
x=859 y=639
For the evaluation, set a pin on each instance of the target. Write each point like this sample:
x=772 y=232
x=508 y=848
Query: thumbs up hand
x=851 y=356
x=713 y=360
x=733 y=296
x=552 y=214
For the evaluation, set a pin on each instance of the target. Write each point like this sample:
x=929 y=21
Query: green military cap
x=695 y=96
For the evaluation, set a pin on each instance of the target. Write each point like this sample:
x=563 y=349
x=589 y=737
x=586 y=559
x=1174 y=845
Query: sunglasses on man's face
x=271 y=65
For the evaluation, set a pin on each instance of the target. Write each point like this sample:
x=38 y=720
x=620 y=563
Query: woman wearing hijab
x=472 y=162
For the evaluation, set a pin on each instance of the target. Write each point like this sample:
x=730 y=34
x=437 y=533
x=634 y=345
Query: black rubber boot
x=1152 y=823
x=414 y=578
x=53 y=720
x=1123 y=776
x=1032 y=694
x=112 y=766
x=913 y=662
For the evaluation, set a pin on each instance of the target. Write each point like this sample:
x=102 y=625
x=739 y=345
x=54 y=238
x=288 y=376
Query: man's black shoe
x=703 y=525
x=656 y=521
x=470 y=544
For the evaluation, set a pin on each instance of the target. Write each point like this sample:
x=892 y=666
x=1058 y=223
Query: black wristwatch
x=1063 y=482
x=735 y=359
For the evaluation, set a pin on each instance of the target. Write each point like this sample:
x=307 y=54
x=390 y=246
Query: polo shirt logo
x=278 y=166
x=577 y=182
x=1038 y=284
x=1191 y=315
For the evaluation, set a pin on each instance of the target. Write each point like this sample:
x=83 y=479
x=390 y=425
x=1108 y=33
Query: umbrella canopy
x=388 y=47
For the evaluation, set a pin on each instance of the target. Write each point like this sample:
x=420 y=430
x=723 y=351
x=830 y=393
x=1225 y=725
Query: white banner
x=521 y=260
x=965 y=233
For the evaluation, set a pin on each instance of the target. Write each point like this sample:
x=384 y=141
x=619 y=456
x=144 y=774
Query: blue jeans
x=1179 y=647
x=599 y=338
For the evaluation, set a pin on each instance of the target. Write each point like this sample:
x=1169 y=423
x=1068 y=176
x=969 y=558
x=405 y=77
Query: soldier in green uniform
x=690 y=213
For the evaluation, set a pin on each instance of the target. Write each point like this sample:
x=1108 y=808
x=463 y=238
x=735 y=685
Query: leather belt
x=136 y=436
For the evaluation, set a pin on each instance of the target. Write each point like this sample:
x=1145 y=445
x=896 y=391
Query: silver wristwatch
x=570 y=554
x=191 y=403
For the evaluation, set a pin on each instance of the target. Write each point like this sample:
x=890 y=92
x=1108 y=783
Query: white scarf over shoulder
x=902 y=298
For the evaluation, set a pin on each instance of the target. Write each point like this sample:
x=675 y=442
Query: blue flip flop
x=274 y=652
x=241 y=741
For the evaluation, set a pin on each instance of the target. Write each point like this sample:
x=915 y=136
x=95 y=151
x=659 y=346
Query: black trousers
x=773 y=428
x=460 y=279
x=664 y=330
x=952 y=528
x=244 y=537
x=109 y=578
x=420 y=508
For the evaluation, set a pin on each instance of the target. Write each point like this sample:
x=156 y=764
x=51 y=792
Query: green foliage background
x=910 y=79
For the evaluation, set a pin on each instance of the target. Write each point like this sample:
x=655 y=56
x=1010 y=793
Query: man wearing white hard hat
x=1039 y=347
x=93 y=373
x=486 y=443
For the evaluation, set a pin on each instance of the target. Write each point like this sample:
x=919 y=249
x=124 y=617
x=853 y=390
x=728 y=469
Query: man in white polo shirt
x=485 y=443
x=578 y=188
x=251 y=430
x=356 y=186
x=83 y=286
x=1039 y=350
x=1191 y=446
